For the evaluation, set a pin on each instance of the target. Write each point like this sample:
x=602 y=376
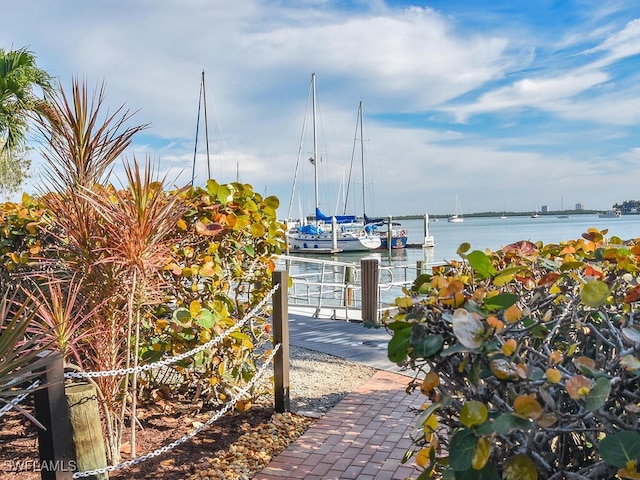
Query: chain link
x=188 y=436
x=16 y=401
x=170 y=361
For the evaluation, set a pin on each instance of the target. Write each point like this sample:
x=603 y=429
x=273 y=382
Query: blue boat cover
x=339 y=218
x=309 y=229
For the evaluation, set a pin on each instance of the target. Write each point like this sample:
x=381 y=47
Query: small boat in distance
x=457 y=216
x=610 y=214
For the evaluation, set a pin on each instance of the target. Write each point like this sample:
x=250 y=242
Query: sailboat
x=384 y=228
x=457 y=215
x=328 y=234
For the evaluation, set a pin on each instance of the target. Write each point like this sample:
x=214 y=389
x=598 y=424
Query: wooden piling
x=370 y=273
x=86 y=429
x=280 y=317
x=51 y=411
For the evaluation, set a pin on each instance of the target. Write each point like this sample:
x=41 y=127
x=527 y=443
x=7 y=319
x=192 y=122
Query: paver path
x=364 y=437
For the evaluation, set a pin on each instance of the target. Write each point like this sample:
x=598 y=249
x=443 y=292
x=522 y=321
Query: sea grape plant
x=529 y=361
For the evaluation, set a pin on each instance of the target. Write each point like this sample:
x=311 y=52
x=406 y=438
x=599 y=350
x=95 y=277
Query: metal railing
x=336 y=286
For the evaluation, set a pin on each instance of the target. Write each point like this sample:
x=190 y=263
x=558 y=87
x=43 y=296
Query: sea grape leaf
x=467 y=328
x=619 y=448
x=488 y=472
x=428 y=346
x=509 y=421
x=205 y=319
x=594 y=293
x=461 y=448
x=398 y=345
x=506 y=275
x=481 y=263
x=520 y=467
x=502 y=301
x=598 y=394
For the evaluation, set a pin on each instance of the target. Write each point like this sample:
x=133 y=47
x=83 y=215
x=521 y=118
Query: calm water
x=494 y=233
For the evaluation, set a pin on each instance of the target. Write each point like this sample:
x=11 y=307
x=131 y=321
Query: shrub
x=528 y=358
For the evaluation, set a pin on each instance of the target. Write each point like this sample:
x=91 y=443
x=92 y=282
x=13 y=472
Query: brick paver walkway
x=363 y=437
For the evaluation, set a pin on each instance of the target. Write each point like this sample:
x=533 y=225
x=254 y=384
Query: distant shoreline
x=508 y=214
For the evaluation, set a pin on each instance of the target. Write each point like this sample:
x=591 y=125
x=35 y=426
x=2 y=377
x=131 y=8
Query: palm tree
x=19 y=75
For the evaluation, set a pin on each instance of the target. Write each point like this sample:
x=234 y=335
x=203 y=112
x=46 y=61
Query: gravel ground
x=318 y=381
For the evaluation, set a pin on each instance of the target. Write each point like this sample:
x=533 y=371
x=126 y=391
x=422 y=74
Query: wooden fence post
x=280 y=317
x=56 y=461
x=370 y=274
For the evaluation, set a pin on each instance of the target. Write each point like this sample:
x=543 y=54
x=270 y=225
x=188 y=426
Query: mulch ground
x=19 y=451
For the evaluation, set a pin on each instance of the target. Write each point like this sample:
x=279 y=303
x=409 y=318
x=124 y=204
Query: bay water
x=481 y=233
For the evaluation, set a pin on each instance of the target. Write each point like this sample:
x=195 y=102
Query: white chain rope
x=182 y=356
x=16 y=401
x=188 y=436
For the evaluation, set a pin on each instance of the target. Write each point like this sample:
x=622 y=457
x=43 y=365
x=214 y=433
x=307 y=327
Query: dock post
x=390 y=235
x=349 y=278
x=419 y=266
x=280 y=317
x=56 y=462
x=370 y=274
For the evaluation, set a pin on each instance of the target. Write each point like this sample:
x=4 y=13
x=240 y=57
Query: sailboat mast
x=206 y=125
x=315 y=143
x=364 y=204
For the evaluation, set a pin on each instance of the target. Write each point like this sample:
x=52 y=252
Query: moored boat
x=610 y=214
x=457 y=216
x=329 y=234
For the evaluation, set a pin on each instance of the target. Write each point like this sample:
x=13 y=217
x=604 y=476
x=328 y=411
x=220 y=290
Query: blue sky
x=509 y=105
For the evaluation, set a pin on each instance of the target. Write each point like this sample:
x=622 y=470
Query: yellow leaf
x=481 y=453
x=513 y=314
x=430 y=425
x=520 y=467
x=431 y=380
x=553 y=375
x=423 y=457
x=473 y=413
x=527 y=406
x=509 y=347
x=195 y=307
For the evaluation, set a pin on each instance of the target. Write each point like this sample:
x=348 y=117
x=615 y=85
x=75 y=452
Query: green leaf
x=249 y=250
x=461 y=448
x=506 y=275
x=481 y=264
x=488 y=472
x=594 y=293
x=205 y=319
x=501 y=301
x=508 y=421
x=182 y=316
x=619 y=448
x=598 y=394
x=463 y=248
x=429 y=346
x=398 y=345
x=224 y=194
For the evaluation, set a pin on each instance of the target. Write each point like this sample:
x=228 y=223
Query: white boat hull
x=323 y=242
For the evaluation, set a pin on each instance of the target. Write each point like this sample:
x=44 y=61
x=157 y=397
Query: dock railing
x=353 y=291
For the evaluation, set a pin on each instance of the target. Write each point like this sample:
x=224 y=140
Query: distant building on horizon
x=579 y=206
x=544 y=209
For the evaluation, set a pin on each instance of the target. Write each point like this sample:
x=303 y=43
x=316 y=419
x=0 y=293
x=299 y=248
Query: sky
x=508 y=105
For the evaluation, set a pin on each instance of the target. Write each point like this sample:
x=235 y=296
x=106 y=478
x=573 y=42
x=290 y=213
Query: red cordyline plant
x=139 y=226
